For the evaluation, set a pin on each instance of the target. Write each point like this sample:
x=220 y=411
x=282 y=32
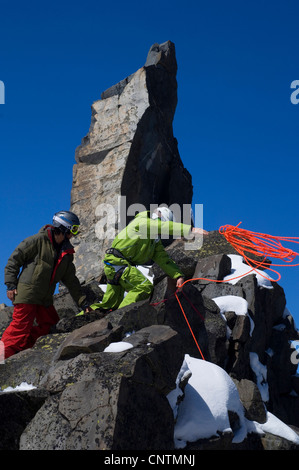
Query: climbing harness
x=247 y=243
x=118 y=254
x=118 y=274
x=119 y=269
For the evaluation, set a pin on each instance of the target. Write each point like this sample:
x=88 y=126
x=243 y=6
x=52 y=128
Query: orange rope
x=189 y=327
x=258 y=244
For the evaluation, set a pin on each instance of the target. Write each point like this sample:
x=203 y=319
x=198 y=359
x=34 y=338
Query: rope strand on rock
x=262 y=246
x=193 y=335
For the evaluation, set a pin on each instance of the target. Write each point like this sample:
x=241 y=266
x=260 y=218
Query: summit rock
x=129 y=158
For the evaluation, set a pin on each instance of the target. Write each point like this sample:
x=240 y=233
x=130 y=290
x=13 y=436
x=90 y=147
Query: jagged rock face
x=129 y=151
x=96 y=399
x=86 y=397
x=89 y=398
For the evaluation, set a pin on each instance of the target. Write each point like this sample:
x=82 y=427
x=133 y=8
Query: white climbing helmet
x=163 y=213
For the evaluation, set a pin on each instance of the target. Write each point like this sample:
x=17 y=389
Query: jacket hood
x=66 y=245
x=143 y=214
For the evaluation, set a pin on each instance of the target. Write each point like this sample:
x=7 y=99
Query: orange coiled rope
x=247 y=243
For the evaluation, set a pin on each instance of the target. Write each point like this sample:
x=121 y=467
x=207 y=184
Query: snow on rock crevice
x=239 y=269
x=208 y=397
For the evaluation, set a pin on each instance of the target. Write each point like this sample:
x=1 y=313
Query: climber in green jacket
x=140 y=244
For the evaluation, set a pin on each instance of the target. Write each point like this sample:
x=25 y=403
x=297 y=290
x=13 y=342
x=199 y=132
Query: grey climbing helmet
x=66 y=221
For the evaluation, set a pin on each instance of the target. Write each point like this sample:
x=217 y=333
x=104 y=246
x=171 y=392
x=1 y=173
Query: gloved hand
x=86 y=307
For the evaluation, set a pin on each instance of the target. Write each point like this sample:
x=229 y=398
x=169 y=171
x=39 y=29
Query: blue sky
x=236 y=127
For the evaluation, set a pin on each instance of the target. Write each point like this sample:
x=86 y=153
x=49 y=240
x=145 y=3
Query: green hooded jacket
x=140 y=243
x=41 y=268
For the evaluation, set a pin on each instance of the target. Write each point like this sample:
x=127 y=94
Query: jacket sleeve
x=176 y=229
x=26 y=251
x=72 y=283
x=162 y=258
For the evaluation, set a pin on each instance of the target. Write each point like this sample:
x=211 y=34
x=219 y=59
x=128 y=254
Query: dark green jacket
x=41 y=269
x=140 y=242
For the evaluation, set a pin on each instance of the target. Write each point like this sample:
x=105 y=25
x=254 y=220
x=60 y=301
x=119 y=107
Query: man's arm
x=162 y=258
x=72 y=283
x=24 y=252
x=199 y=231
x=173 y=228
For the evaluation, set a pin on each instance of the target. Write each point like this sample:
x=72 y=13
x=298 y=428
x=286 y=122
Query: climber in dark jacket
x=44 y=260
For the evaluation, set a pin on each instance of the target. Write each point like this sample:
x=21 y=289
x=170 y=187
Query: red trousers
x=21 y=333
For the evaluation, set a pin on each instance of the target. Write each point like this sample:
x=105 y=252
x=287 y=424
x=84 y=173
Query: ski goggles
x=74 y=229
